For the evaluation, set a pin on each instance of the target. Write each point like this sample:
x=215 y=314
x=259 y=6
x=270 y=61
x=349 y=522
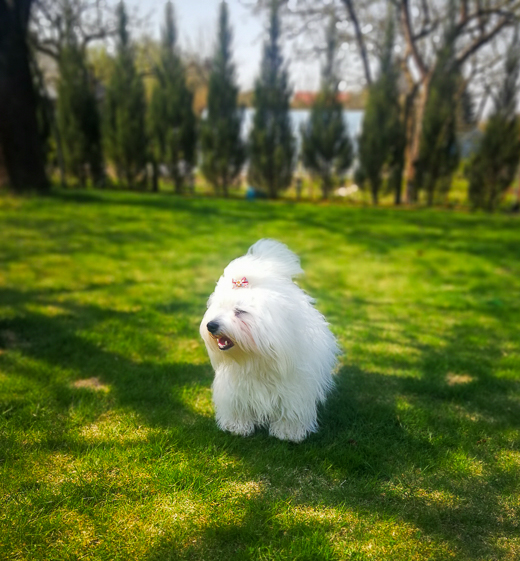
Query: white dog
x=272 y=351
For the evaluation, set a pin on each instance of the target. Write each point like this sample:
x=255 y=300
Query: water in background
x=353 y=120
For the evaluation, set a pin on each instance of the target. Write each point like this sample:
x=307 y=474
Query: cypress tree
x=326 y=146
x=493 y=167
x=223 y=152
x=172 y=121
x=271 y=143
x=125 y=138
x=438 y=148
x=382 y=139
x=77 y=114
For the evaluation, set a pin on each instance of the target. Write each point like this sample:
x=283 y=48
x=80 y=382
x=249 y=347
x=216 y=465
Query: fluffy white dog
x=272 y=351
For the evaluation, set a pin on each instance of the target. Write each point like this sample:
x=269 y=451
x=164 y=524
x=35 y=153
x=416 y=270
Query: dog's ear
x=285 y=262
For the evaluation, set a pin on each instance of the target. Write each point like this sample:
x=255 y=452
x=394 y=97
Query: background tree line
x=424 y=64
x=444 y=65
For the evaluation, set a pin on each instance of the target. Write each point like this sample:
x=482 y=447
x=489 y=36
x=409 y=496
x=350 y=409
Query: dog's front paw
x=237 y=427
x=288 y=430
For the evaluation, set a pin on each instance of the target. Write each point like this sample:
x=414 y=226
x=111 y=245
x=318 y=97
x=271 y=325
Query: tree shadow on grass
x=148 y=387
x=380 y=229
x=387 y=445
x=210 y=209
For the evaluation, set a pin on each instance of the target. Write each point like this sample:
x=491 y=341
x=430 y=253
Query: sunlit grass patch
x=93 y=384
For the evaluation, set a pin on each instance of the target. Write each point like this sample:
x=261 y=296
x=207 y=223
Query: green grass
x=108 y=445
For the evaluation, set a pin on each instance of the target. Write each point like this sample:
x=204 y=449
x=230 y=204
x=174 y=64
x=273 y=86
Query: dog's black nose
x=213 y=327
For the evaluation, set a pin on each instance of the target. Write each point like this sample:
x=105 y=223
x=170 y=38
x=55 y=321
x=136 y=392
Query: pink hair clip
x=240 y=283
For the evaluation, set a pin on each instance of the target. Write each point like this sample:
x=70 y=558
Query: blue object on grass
x=252 y=194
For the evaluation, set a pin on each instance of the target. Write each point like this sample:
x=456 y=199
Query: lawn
x=108 y=445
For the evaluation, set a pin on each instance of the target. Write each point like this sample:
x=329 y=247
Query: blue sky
x=197 y=21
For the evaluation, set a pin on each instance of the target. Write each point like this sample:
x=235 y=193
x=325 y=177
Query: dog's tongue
x=224 y=342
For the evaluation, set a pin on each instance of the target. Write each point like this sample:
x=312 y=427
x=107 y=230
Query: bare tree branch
x=94 y=20
x=425 y=31
x=359 y=38
x=409 y=38
x=482 y=40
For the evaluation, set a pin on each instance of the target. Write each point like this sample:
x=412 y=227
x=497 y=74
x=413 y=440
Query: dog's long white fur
x=280 y=367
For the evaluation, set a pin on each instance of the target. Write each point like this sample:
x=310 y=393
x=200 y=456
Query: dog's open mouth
x=224 y=343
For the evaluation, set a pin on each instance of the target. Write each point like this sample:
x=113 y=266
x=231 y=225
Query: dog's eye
x=239 y=312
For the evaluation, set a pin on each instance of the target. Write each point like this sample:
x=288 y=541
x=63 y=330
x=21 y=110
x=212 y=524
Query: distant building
x=349 y=100
x=353 y=101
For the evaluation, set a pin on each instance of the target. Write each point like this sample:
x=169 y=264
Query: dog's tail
x=285 y=262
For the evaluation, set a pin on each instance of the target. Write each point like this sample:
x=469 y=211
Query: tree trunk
x=396 y=178
x=129 y=178
x=273 y=192
x=155 y=176
x=19 y=138
x=4 y=178
x=179 y=186
x=414 y=140
x=430 y=193
x=397 y=196
x=178 y=183
x=225 y=189
x=374 y=192
x=59 y=152
x=326 y=183
x=398 y=190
